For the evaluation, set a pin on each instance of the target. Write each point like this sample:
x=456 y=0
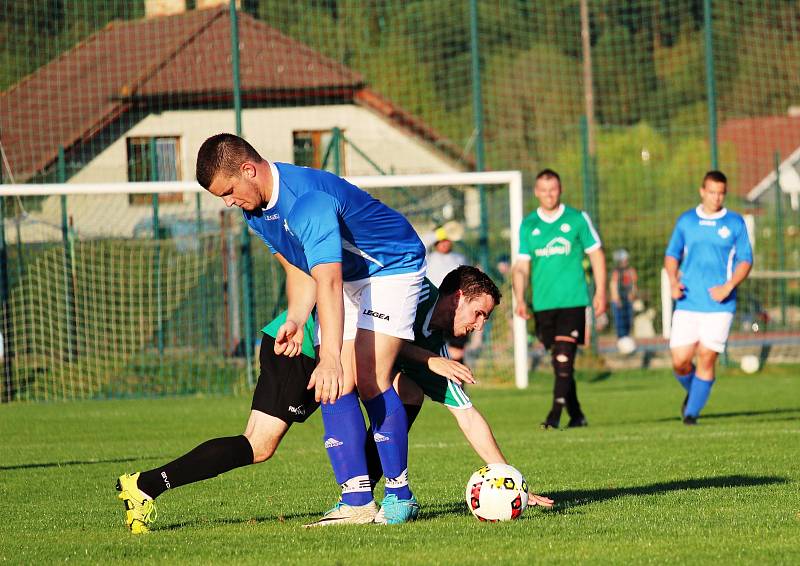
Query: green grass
x=636 y=486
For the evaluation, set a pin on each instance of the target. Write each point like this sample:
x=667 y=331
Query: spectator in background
x=624 y=292
x=441 y=261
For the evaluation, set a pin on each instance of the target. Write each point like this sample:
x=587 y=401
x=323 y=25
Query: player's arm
x=447 y=368
x=479 y=435
x=740 y=273
x=520 y=278
x=597 y=258
x=672 y=261
x=744 y=263
x=328 y=377
x=301 y=295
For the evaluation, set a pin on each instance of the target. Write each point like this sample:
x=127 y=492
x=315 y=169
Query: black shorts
x=560 y=322
x=281 y=389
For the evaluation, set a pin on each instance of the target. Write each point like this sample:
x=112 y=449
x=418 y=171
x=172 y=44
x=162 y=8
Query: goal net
x=138 y=289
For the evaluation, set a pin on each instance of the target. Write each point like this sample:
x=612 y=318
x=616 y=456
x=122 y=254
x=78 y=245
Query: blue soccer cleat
x=394 y=511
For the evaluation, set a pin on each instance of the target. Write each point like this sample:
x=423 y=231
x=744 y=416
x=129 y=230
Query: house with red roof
x=756 y=141
x=166 y=82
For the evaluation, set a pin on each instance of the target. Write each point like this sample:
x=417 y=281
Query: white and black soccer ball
x=497 y=492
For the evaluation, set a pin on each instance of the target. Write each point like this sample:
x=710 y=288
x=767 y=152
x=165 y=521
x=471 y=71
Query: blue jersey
x=315 y=217
x=708 y=247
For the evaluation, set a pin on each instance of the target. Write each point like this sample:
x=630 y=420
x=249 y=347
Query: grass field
x=636 y=486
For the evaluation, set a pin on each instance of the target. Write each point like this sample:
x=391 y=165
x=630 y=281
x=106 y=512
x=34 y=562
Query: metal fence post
x=711 y=85
x=779 y=234
x=477 y=114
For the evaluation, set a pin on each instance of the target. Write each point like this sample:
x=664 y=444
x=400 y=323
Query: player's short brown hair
x=223 y=153
x=716 y=176
x=548 y=174
x=471 y=281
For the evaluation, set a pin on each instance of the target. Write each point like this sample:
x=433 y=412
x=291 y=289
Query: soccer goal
x=128 y=289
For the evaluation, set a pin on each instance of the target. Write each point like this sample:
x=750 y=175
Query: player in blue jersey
x=708 y=256
x=363 y=265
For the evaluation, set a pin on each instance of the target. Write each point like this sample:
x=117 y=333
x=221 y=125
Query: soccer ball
x=750 y=363
x=626 y=345
x=497 y=492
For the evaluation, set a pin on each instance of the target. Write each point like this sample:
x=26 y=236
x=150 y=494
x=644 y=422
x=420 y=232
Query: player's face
x=471 y=314
x=712 y=196
x=239 y=190
x=548 y=191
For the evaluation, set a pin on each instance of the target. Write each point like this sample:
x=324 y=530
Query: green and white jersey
x=555 y=246
x=438 y=388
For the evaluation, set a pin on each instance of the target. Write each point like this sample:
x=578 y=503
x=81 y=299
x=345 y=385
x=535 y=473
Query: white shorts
x=385 y=304
x=709 y=328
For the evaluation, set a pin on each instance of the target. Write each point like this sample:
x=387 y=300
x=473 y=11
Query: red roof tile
x=755 y=141
x=183 y=57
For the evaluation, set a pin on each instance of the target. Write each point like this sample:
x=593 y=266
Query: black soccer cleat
x=577 y=422
x=689 y=420
x=549 y=425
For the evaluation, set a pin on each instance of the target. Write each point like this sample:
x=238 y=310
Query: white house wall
x=269 y=130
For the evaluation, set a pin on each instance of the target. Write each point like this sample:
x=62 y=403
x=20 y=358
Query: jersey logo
x=708 y=223
x=556 y=246
x=380 y=315
x=536 y=232
x=332 y=443
x=275 y=216
x=724 y=232
x=565 y=228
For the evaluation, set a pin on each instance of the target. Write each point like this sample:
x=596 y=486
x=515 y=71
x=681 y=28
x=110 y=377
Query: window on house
x=310 y=147
x=167 y=165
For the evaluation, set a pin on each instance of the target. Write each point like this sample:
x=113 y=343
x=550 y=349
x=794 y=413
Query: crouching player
x=461 y=305
x=281 y=398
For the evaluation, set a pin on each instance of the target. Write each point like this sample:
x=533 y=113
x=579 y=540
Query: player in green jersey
x=553 y=240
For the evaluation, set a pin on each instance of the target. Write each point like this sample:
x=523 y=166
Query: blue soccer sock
x=685 y=380
x=390 y=425
x=345 y=434
x=698 y=396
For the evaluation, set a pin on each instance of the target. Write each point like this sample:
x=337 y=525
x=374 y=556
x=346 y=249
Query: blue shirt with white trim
x=316 y=217
x=708 y=247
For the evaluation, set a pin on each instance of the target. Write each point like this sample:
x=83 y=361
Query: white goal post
x=513 y=179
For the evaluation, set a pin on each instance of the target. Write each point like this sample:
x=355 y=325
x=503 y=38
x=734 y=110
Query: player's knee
x=563 y=354
x=263 y=452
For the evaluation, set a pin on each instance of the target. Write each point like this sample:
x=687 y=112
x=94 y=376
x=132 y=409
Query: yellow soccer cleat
x=140 y=510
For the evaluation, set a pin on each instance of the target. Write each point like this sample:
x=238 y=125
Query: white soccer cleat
x=344 y=514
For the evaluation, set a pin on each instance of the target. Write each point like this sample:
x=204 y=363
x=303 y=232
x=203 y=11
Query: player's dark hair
x=223 y=153
x=471 y=281
x=716 y=176
x=548 y=174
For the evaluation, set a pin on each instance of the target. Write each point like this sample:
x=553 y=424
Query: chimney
x=203 y=4
x=158 y=8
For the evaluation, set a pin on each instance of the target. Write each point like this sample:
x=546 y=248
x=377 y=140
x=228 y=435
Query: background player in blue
x=363 y=265
x=708 y=256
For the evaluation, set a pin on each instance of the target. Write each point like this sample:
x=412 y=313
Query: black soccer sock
x=374 y=468
x=206 y=461
x=563 y=359
x=573 y=406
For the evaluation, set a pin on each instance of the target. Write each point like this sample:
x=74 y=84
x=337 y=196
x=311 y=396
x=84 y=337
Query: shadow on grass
x=564 y=500
x=568 y=499
x=732 y=414
x=75 y=463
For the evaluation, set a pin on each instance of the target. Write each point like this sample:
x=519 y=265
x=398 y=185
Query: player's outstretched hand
x=451 y=369
x=289 y=339
x=720 y=292
x=327 y=381
x=540 y=500
x=522 y=310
